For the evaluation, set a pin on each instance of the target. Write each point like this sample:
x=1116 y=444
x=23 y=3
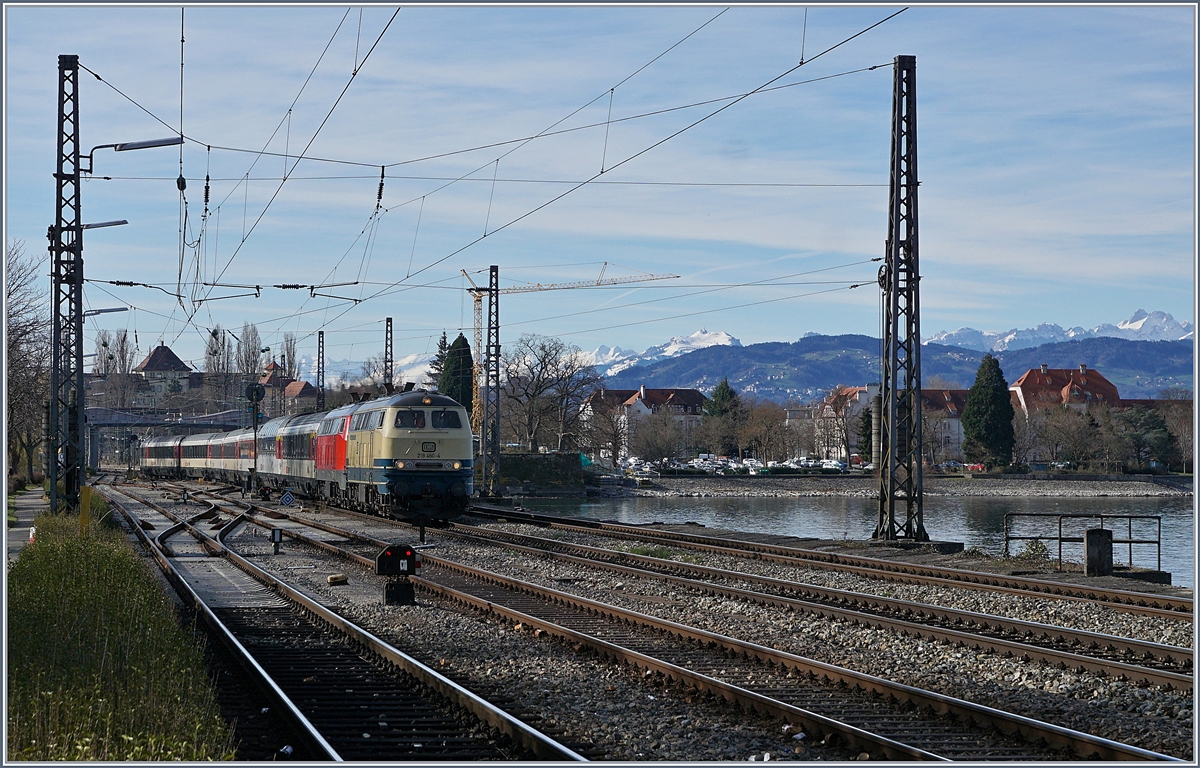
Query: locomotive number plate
x=428 y=447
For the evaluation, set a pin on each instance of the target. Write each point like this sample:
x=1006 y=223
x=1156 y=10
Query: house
x=836 y=419
x=165 y=374
x=617 y=412
x=1079 y=388
x=299 y=397
x=941 y=424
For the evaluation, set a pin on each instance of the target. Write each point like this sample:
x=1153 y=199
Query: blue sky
x=1056 y=156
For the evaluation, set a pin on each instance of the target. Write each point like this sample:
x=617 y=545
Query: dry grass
x=99 y=667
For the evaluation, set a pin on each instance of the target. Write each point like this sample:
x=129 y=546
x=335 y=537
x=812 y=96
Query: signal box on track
x=398 y=560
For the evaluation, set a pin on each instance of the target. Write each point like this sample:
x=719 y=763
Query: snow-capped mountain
x=612 y=360
x=1141 y=326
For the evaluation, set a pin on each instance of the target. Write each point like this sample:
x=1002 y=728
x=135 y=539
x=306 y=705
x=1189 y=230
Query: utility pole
x=490 y=439
x=66 y=425
x=387 y=359
x=900 y=474
x=320 y=370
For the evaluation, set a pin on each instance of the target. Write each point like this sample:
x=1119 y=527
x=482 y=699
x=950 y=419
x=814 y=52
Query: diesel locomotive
x=407 y=456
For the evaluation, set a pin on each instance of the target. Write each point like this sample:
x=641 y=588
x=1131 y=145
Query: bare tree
x=543 y=380
x=28 y=353
x=291 y=366
x=249 y=352
x=219 y=366
x=657 y=438
x=763 y=430
x=1177 y=413
x=605 y=430
x=1027 y=435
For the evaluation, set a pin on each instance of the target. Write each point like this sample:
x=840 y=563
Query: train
x=409 y=456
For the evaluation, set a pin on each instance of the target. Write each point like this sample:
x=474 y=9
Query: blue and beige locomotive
x=408 y=455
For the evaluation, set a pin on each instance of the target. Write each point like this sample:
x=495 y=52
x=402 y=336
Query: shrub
x=99 y=667
x=1034 y=550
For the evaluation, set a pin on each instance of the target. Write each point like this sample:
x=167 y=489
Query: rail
x=1061 y=539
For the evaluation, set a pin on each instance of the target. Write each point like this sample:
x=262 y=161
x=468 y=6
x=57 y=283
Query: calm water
x=975 y=521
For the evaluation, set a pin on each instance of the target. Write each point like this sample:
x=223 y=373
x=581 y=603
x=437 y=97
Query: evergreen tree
x=865 y=448
x=437 y=365
x=723 y=401
x=455 y=381
x=987 y=416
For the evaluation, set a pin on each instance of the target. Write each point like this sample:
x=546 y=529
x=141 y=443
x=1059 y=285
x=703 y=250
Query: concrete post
x=1098 y=551
x=876 y=431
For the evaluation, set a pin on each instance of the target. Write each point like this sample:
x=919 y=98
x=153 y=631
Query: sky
x=1056 y=155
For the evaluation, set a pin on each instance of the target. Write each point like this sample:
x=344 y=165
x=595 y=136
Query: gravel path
x=593 y=700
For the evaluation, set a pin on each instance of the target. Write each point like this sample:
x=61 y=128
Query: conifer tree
x=438 y=364
x=987 y=416
x=455 y=381
x=723 y=401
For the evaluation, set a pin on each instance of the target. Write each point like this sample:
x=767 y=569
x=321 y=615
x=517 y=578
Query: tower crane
x=478 y=293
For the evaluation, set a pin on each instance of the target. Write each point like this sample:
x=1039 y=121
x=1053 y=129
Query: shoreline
x=843 y=486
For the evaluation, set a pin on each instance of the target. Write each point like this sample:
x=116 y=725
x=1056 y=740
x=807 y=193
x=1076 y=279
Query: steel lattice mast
x=320 y=370
x=900 y=475
x=387 y=358
x=490 y=439
x=66 y=425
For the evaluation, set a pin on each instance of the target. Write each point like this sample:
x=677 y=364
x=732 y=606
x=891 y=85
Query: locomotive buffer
x=399 y=562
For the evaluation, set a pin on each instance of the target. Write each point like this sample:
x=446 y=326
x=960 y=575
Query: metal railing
x=1129 y=541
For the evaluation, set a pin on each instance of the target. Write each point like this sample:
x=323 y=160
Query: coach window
x=445 y=420
x=410 y=419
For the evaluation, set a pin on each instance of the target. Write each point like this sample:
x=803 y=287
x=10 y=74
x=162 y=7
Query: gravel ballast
x=592 y=700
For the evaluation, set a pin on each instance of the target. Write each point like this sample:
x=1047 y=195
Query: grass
x=99 y=667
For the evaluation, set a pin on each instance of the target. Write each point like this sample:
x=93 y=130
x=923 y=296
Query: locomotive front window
x=445 y=420
x=410 y=419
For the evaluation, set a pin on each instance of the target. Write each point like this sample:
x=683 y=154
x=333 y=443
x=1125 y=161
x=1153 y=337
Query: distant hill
x=806 y=369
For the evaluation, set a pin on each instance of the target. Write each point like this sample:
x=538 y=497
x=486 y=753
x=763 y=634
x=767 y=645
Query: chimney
x=1044 y=368
x=642 y=391
x=1083 y=368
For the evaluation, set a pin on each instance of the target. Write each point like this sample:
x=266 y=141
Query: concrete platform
x=29 y=505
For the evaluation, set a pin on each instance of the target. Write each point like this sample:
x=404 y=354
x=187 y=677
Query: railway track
x=1142 y=603
x=350 y=695
x=1109 y=655
x=882 y=717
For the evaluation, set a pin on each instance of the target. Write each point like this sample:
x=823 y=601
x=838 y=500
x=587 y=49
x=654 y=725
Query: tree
x=291 y=365
x=456 y=380
x=249 y=352
x=1027 y=436
x=987 y=416
x=656 y=437
x=605 y=430
x=763 y=430
x=1177 y=415
x=27 y=353
x=720 y=424
x=1147 y=435
x=219 y=366
x=438 y=364
x=544 y=384
x=866 y=446
x=723 y=400
x=835 y=422
x=1070 y=435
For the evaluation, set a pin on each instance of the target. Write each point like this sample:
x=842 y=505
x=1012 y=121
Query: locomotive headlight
x=456 y=465
x=399 y=464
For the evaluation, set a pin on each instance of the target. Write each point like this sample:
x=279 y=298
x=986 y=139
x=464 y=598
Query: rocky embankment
x=863 y=486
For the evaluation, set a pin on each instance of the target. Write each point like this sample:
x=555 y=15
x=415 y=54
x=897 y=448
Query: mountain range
x=808 y=368
x=1142 y=355
x=1141 y=326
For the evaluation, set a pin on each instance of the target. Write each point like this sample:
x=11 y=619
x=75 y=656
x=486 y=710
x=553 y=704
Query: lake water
x=975 y=521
